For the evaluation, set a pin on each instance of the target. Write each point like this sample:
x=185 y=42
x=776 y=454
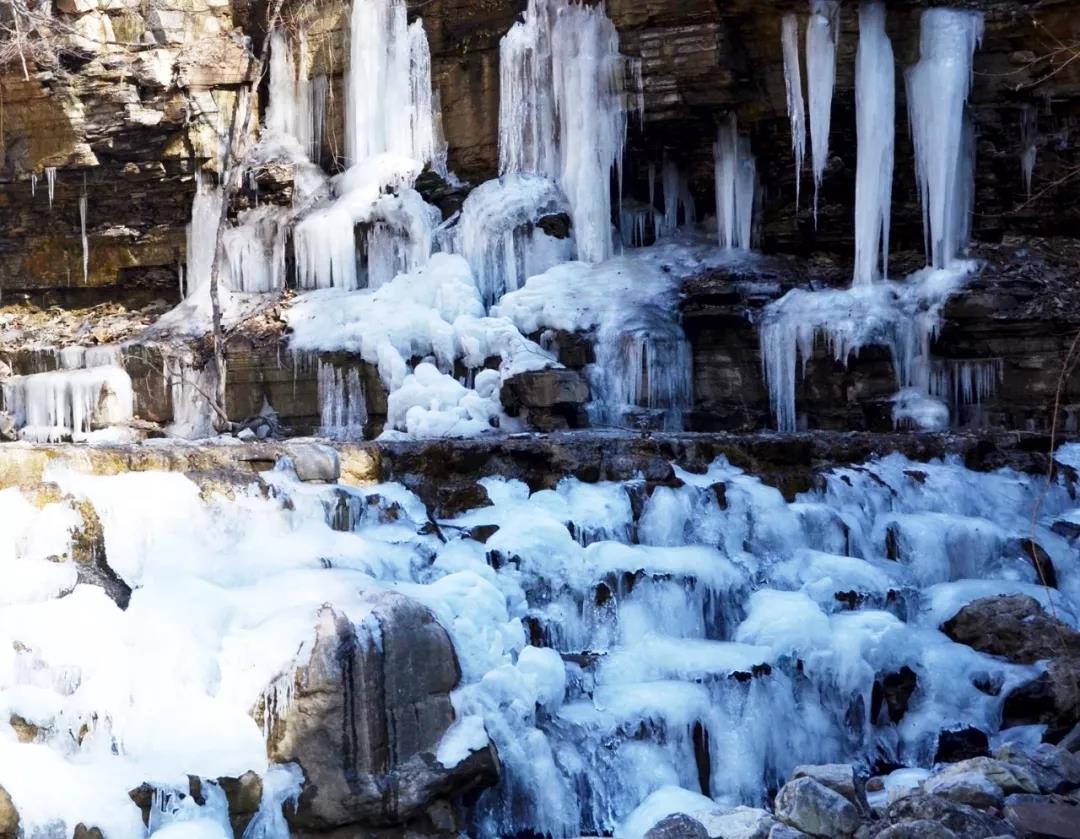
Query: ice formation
x=793 y=87
x=629 y=659
x=82 y=235
x=342 y=402
x=736 y=186
x=902 y=316
x=1029 y=148
x=202 y=234
x=563 y=110
x=50 y=180
x=938 y=87
x=498 y=232
x=629 y=305
x=822 y=35
x=69 y=404
x=391 y=56
x=875 y=117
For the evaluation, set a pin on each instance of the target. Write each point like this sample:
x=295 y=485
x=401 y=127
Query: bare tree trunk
x=232 y=174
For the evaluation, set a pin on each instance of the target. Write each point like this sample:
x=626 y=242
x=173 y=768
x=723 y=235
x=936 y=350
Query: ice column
x=82 y=231
x=343 y=409
x=793 y=85
x=822 y=33
x=736 y=183
x=938 y=88
x=875 y=118
x=389 y=62
x=283 y=112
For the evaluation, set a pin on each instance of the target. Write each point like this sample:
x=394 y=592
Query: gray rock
x=367 y=713
x=1045 y=817
x=971 y=788
x=966 y=822
x=1015 y=628
x=1008 y=777
x=839 y=777
x=736 y=823
x=916 y=829
x=785 y=831
x=313 y=462
x=814 y=808
x=8 y=432
x=677 y=826
x=1053 y=768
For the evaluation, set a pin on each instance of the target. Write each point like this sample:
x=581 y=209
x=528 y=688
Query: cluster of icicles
x=901 y=316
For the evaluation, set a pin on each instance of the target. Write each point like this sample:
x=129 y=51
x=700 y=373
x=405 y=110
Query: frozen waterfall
x=938 y=88
x=563 y=111
x=875 y=117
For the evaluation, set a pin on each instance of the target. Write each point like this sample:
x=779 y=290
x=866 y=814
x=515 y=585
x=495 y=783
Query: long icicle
x=795 y=104
x=822 y=33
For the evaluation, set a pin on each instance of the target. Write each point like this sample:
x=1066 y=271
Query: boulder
x=964 y=821
x=367 y=713
x=971 y=788
x=916 y=829
x=736 y=823
x=677 y=826
x=1007 y=777
x=9 y=816
x=812 y=807
x=1045 y=818
x=1015 y=628
x=8 y=432
x=839 y=777
x=244 y=795
x=1052 y=699
x=1054 y=769
x=785 y=831
x=549 y=399
x=313 y=462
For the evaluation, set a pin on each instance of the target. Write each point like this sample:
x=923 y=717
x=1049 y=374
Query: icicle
x=389 y=62
x=50 y=179
x=33 y=184
x=822 y=34
x=736 y=185
x=793 y=86
x=875 y=116
x=325 y=244
x=1029 y=132
x=938 y=88
x=82 y=228
x=320 y=94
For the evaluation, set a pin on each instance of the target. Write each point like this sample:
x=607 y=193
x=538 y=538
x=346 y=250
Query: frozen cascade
x=284 y=111
x=875 y=116
x=388 y=55
x=678 y=201
x=793 y=87
x=563 y=110
x=736 y=186
x=903 y=316
x=499 y=236
x=342 y=402
x=254 y=250
x=77 y=404
x=965 y=382
x=626 y=650
x=938 y=87
x=822 y=35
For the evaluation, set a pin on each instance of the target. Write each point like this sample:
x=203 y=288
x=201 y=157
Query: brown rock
x=367 y=713
x=9 y=816
x=1015 y=628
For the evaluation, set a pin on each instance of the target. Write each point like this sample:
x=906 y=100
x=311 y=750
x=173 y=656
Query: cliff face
x=139 y=93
